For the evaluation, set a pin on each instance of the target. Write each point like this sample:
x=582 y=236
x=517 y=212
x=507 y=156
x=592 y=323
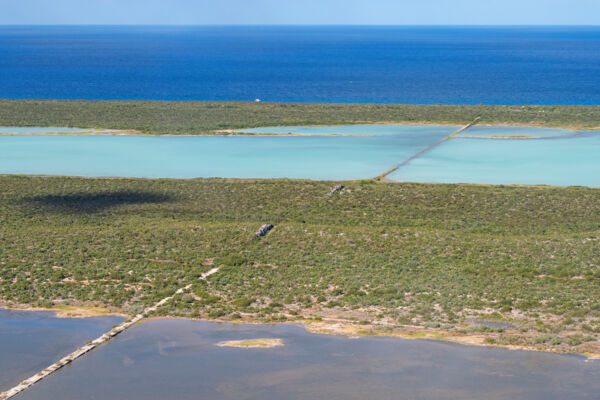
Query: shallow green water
x=479 y=154
x=310 y=157
x=564 y=161
x=178 y=360
x=30 y=341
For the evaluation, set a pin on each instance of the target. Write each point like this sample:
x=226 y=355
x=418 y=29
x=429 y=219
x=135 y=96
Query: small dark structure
x=263 y=230
x=336 y=189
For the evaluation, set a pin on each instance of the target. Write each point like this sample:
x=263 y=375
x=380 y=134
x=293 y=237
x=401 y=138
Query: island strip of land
x=252 y=343
x=218 y=118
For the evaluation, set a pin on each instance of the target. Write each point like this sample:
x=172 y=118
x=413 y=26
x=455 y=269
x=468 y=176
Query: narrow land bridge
x=93 y=344
x=427 y=149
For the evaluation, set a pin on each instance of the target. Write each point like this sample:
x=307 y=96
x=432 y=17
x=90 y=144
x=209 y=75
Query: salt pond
x=179 y=359
x=490 y=154
x=310 y=157
x=480 y=154
x=31 y=340
x=564 y=161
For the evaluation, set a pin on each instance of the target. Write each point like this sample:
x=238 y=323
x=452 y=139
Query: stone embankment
x=93 y=344
x=462 y=129
x=425 y=150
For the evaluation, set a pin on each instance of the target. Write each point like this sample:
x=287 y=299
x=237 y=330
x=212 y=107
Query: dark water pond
x=178 y=360
x=31 y=340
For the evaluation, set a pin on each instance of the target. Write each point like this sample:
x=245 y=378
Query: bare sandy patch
x=68 y=311
x=252 y=343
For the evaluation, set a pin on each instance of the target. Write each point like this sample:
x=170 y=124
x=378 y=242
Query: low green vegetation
x=436 y=256
x=195 y=117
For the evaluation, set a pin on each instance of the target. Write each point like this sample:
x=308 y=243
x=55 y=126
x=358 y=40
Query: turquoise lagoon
x=573 y=159
x=480 y=154
x=310 y=157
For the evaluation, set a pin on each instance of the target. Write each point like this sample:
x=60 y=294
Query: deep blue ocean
x=467 y=65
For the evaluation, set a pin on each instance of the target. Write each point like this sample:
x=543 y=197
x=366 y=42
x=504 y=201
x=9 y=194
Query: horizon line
x=313 y=25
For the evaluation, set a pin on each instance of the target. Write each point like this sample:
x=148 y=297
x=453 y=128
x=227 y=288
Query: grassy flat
x=201 y=117
x=518 y=265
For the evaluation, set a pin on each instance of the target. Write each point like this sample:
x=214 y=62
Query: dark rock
x=336 y=189
x=263 y=230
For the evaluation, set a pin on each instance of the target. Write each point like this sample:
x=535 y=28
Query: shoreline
x=338 y=327
x=354 y=330
x=374 y=179
x=72 y=312
x=232 y=134
x=236 y=132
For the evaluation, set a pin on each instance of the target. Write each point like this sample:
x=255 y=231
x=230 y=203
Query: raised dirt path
x=425 y=150
x=27 y=383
